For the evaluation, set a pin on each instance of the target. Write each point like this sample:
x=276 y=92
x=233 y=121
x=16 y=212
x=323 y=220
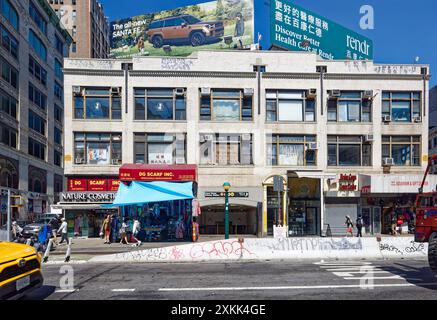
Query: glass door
x=311 y=221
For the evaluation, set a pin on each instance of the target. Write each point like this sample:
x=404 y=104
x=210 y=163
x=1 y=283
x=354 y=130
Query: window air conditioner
x=245 y=137
x=386 y=118
x=368 y=94
x=205 y=91
x=369 y=138
x=388 y=162
x=333 y=94
x=248 y=91
x=311 y=93
x=312 y=146
x=208 y=137
x=180 y=91
x=417 y=119
x=79 y=160
x=115 y=161
x=180 y=160
x=76 y=90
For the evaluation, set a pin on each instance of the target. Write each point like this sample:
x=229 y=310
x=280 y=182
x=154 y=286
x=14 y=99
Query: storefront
x=388 y=198
x=161 y=197
x=342 y=198
x=244 y=210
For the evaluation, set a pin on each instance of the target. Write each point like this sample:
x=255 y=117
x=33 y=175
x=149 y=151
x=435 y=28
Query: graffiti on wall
x=411 y=248
x=220 y=249
x=311 y=244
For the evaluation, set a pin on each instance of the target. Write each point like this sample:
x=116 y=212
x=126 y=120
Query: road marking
x=66 y=290
x=123 y=290
x=363 y=286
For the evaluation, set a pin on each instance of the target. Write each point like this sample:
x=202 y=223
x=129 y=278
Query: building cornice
x=280 y=75
x=369 y=76
x=90 y=72
x=192 y=74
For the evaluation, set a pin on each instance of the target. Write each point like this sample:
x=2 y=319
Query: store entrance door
x=372 y=220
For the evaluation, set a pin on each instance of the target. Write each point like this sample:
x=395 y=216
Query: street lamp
x=226 y=187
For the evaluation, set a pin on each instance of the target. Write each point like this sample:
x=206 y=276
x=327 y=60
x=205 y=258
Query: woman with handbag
x=106 y=229
x=349 y=226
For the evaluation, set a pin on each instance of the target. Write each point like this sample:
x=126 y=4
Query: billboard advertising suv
x=221 y=24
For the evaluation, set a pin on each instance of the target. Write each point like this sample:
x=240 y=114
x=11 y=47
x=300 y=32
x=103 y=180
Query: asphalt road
x=403 y=279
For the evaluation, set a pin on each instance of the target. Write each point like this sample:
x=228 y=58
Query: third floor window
x=401 y=106
x=160 y=104
x=97 y=103
x=350 y=106
x=290 y=106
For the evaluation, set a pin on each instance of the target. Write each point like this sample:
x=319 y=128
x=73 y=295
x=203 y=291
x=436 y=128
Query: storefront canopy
x=145 y=192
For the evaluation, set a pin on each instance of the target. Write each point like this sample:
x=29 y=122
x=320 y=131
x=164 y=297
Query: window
x=9 y=73
x=37 y=97
x=350 y=151
x=8 y=136
x=404 y=150
x=58 y=113
x=37 y=180
x=36 y=149
x=351 y=106
x=160 y=104
x=37 y=71
x=290 y=150
x=58 y=136
x=37 y=18
x=57 y=158
x=401 y=106
x=226 y=149
x=160 y=148
x=8 y=104
x=9 y=42
x=74 y=47
x=58 y=69
x=10 y=14
x=290 y=106
x=97 y=148
x=37 y=45
x=226 y=105
x=37 y=123
x=98 y=103
x=58 y=91
x=59 y=44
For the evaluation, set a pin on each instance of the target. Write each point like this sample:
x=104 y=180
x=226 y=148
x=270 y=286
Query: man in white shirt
x=63 y=230
x=135 y=230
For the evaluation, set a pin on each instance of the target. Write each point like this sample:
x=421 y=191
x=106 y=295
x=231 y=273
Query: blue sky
x=403 y=30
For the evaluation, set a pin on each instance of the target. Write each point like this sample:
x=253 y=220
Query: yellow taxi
x=20 y=270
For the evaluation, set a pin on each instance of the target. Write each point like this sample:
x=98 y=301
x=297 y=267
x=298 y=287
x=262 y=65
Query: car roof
x=172 y=17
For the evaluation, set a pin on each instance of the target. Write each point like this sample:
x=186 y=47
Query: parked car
x=184 y=29
x=20 y=270
x=33 y=229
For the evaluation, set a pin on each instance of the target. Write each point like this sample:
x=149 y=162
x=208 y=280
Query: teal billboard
x=294 y=28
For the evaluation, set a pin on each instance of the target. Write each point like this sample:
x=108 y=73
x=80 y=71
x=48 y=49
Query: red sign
x=93 y=184
x=98 y=184
x=77 y=185
x=113 y=184
x=138 y=172
x=347 y=182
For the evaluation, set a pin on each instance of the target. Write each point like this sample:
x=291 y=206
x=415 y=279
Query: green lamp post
x=226 y=187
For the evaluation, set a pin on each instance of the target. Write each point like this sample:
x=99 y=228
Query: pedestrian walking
x=359 y=224
x=63 y=230
x=393 y=224
x=54 y=224
x=123 y=232
x=135 y=230
x=195 y=230
x=114 y=228
x=349 y=226
x=16 y=230
x=106 y=229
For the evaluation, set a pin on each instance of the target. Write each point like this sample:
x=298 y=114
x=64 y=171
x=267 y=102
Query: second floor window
x=36 y=149
x=290 y=106
x=8 y=104
x=291 y=150
x=58 y=91
x=226 y=149
x=57 y=136
x=160 y=104
x=8 y=136
x=349 y=151
x=58 y=113
x=160 y=148
x=401 y=106
x=350 y=106
x=403 y=150
x=97 y=148
x=57 y=158
x=98 y=104
x=226 y=105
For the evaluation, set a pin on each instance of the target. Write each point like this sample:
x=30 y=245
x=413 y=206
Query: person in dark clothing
x=239 y=28
x=349 y=226
x=359 y=224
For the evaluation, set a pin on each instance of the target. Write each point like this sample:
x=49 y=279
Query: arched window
x=8 y=173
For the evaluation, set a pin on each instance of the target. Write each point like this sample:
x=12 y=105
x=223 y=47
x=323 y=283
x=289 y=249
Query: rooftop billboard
x=221 y=24
x=295 y=28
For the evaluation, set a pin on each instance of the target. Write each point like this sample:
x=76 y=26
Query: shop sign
x=77 y=185
x=347 y=182
x=158 y=173
x=97 y=185
x=87 y=197
x=113 y=184
x=214 y=194
x=402 y=184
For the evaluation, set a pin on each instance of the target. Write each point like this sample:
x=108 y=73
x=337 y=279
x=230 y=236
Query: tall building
x=33 y=45
x=433 y=121
x=88 y=25
x=345 y=137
